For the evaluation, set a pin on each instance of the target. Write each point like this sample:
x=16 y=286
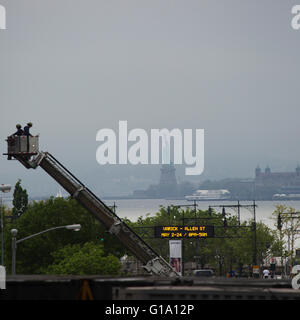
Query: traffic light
x=225 y=222
x=279 y=222
x=169 y=210
x=209 y=211
x=224 y=217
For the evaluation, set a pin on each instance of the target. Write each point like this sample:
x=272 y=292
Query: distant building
x=280 y=184
x=266 y=185
x=279 y=179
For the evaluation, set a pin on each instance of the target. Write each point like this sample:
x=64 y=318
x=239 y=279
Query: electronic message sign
x=188 y=232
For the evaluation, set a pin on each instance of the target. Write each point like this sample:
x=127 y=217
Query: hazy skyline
x=73 y=67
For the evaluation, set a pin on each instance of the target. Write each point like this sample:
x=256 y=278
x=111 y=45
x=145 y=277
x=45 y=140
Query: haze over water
x=134 y=208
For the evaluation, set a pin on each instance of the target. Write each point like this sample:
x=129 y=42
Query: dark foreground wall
x=144 y=288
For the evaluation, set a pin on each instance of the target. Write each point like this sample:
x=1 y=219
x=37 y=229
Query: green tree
x=288 y=230
x=20 y=200
x=83 y=260
x=34 y=255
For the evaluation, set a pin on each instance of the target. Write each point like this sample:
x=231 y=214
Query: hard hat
x=29 y=124
x=18 y=126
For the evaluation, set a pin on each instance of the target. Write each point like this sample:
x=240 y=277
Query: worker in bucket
x=27 y=133
x=27 y=129
x=19 y=131
x=11 y=139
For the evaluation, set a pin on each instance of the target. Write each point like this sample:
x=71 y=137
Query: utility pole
x=289 y=217
x=114 y=207
x=239 y=213
x=197 y=240
x=237 y=208
x=251 y=208
x=254 y=235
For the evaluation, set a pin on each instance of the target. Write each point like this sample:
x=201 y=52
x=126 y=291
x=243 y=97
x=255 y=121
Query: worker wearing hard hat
x=27 y=129
x=27 y=133
x=19 y=131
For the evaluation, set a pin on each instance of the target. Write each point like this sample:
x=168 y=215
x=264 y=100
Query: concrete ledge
x=42 y=287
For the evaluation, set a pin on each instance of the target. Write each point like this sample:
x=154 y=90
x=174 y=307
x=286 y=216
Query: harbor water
x=134 y=208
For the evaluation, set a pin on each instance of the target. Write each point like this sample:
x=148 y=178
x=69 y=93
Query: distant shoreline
x=163 y=198
x=183 y=199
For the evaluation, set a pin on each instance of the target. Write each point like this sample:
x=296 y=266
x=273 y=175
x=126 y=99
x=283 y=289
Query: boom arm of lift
x=153 y=263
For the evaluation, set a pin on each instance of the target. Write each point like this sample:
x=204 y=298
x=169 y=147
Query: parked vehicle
x=203 y=273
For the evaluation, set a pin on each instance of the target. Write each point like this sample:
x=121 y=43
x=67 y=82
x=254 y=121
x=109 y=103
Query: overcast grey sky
x=72 y=67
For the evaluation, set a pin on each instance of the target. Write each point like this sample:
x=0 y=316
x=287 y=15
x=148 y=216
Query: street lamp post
x=14 y=232
x=254 y=231
x=5 y=188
